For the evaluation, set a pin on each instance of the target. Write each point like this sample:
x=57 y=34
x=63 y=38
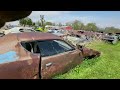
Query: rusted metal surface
x=18 y=63
x=27 y=36
x=89 y=53
x=15 y=61
x=88 y=34
x=60 y=63
x=64 y=62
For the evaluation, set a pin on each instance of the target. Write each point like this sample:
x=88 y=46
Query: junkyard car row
x=33 y=55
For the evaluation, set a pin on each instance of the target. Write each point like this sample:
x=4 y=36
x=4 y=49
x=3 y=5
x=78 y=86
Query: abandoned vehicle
x=33 y=55
x=111 y=38
x=18 y=30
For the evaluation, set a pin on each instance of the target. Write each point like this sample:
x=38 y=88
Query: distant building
x=51 y=27
x=67 y=28
x=59 y=27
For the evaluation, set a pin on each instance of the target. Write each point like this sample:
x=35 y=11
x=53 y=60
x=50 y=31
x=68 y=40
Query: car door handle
x=48 y=64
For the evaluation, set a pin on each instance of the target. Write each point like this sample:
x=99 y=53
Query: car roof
x=28 y=36
x=10 y=40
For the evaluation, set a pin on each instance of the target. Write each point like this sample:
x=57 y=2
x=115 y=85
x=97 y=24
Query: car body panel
x=16 y=62
x=60 y=63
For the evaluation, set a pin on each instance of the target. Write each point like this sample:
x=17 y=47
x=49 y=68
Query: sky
x=101 y=18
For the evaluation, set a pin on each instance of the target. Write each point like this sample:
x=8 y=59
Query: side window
x=53 y=47
x=61 y=46
x=27 y=46
x=46 y=48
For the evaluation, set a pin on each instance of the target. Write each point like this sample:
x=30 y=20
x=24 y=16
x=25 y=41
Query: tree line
x=76 y=25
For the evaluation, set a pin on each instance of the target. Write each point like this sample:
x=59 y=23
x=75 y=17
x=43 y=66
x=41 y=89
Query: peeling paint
x=30 y=62
x=8 y=57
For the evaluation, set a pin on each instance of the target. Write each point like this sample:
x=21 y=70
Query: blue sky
x=101 y=18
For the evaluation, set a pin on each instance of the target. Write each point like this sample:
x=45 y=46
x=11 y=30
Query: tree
x=33 y=24
x=26 y=21
x=22 y=22
x=77 y=25
x=101 y=29
x=48 y=23
x=112 y=30
x=53 y=24
x=38 y=23
x=82 y=26
x=91 y=27
x=60 y=24
x=29 y=22
x=42 y=22
x=68 y=24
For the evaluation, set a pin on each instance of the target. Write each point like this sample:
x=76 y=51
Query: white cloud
x=36 y=14
x=108 y=22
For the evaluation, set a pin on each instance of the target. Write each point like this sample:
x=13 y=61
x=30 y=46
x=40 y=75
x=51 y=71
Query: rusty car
x=34 y=55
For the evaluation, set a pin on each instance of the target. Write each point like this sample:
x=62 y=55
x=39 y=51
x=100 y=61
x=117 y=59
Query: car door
x=55 y=57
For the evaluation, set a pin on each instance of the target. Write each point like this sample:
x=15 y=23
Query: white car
x=18 y=30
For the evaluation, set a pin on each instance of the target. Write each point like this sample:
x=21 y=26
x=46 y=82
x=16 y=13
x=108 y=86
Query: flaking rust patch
x=30 y=62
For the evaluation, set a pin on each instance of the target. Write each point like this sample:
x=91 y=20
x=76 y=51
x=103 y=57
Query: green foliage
x=29 y=22
x=68 y=24
x=60 y=24
x=26 y=21
x=91 y=27
x=112 y=30
x=38 y=23
x=22 y=22
x=107 y=66
x=42 y=22
x=53 y=24
x=33 y=23
x=77 y=25
x=48 y=23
